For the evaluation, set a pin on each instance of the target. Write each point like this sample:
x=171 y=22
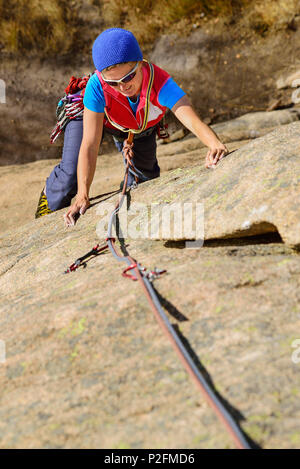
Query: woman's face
x=133 y=87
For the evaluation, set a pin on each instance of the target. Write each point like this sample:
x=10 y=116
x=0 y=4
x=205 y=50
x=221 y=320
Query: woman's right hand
x=80 y=205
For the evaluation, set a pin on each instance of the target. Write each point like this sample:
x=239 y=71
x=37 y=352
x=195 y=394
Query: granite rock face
x=86 y=364
x=248 y=126
x=255 y=124
x=290 y=80
x=254 y=190
x=163 y=53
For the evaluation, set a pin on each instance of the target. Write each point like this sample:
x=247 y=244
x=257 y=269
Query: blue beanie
x=114 y=46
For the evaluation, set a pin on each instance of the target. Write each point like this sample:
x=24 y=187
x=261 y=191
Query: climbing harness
x=147 y=106
x=128 y=143
x=71 y=107
x=145 y=278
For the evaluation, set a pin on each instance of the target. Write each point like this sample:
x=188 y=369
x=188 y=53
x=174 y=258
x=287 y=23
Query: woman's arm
x=92 y=134
x=187 y=116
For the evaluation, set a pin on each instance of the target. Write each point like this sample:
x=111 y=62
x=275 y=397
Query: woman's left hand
x=214 y=155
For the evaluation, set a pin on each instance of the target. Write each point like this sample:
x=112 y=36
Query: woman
x=126 y=93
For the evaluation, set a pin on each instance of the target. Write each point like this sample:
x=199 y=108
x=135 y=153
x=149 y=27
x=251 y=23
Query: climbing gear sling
x=70 y=106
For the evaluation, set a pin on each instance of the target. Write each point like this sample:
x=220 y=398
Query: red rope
x=134 y=266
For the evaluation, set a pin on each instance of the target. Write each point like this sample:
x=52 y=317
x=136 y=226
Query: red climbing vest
x=117 y=107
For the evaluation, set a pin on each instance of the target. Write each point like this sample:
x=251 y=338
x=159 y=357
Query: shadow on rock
x=172 y=310
x=235 y=413
x=101 y=197
x=267 y=238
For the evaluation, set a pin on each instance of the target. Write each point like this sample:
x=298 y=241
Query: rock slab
x=254 y=190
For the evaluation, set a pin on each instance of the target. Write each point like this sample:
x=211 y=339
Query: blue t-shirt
x=94 y=100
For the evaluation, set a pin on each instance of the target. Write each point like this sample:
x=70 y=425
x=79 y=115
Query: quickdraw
x=70 y=106
x=80 y=261
x=150 y=274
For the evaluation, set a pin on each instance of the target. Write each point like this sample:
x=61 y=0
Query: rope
x=128 y=154
x=128 y=143
x=186 y=359
x=144 y=278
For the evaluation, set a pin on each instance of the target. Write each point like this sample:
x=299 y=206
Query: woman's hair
x=107 y=69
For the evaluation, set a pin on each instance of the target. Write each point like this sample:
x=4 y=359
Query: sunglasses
x=126 y=79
